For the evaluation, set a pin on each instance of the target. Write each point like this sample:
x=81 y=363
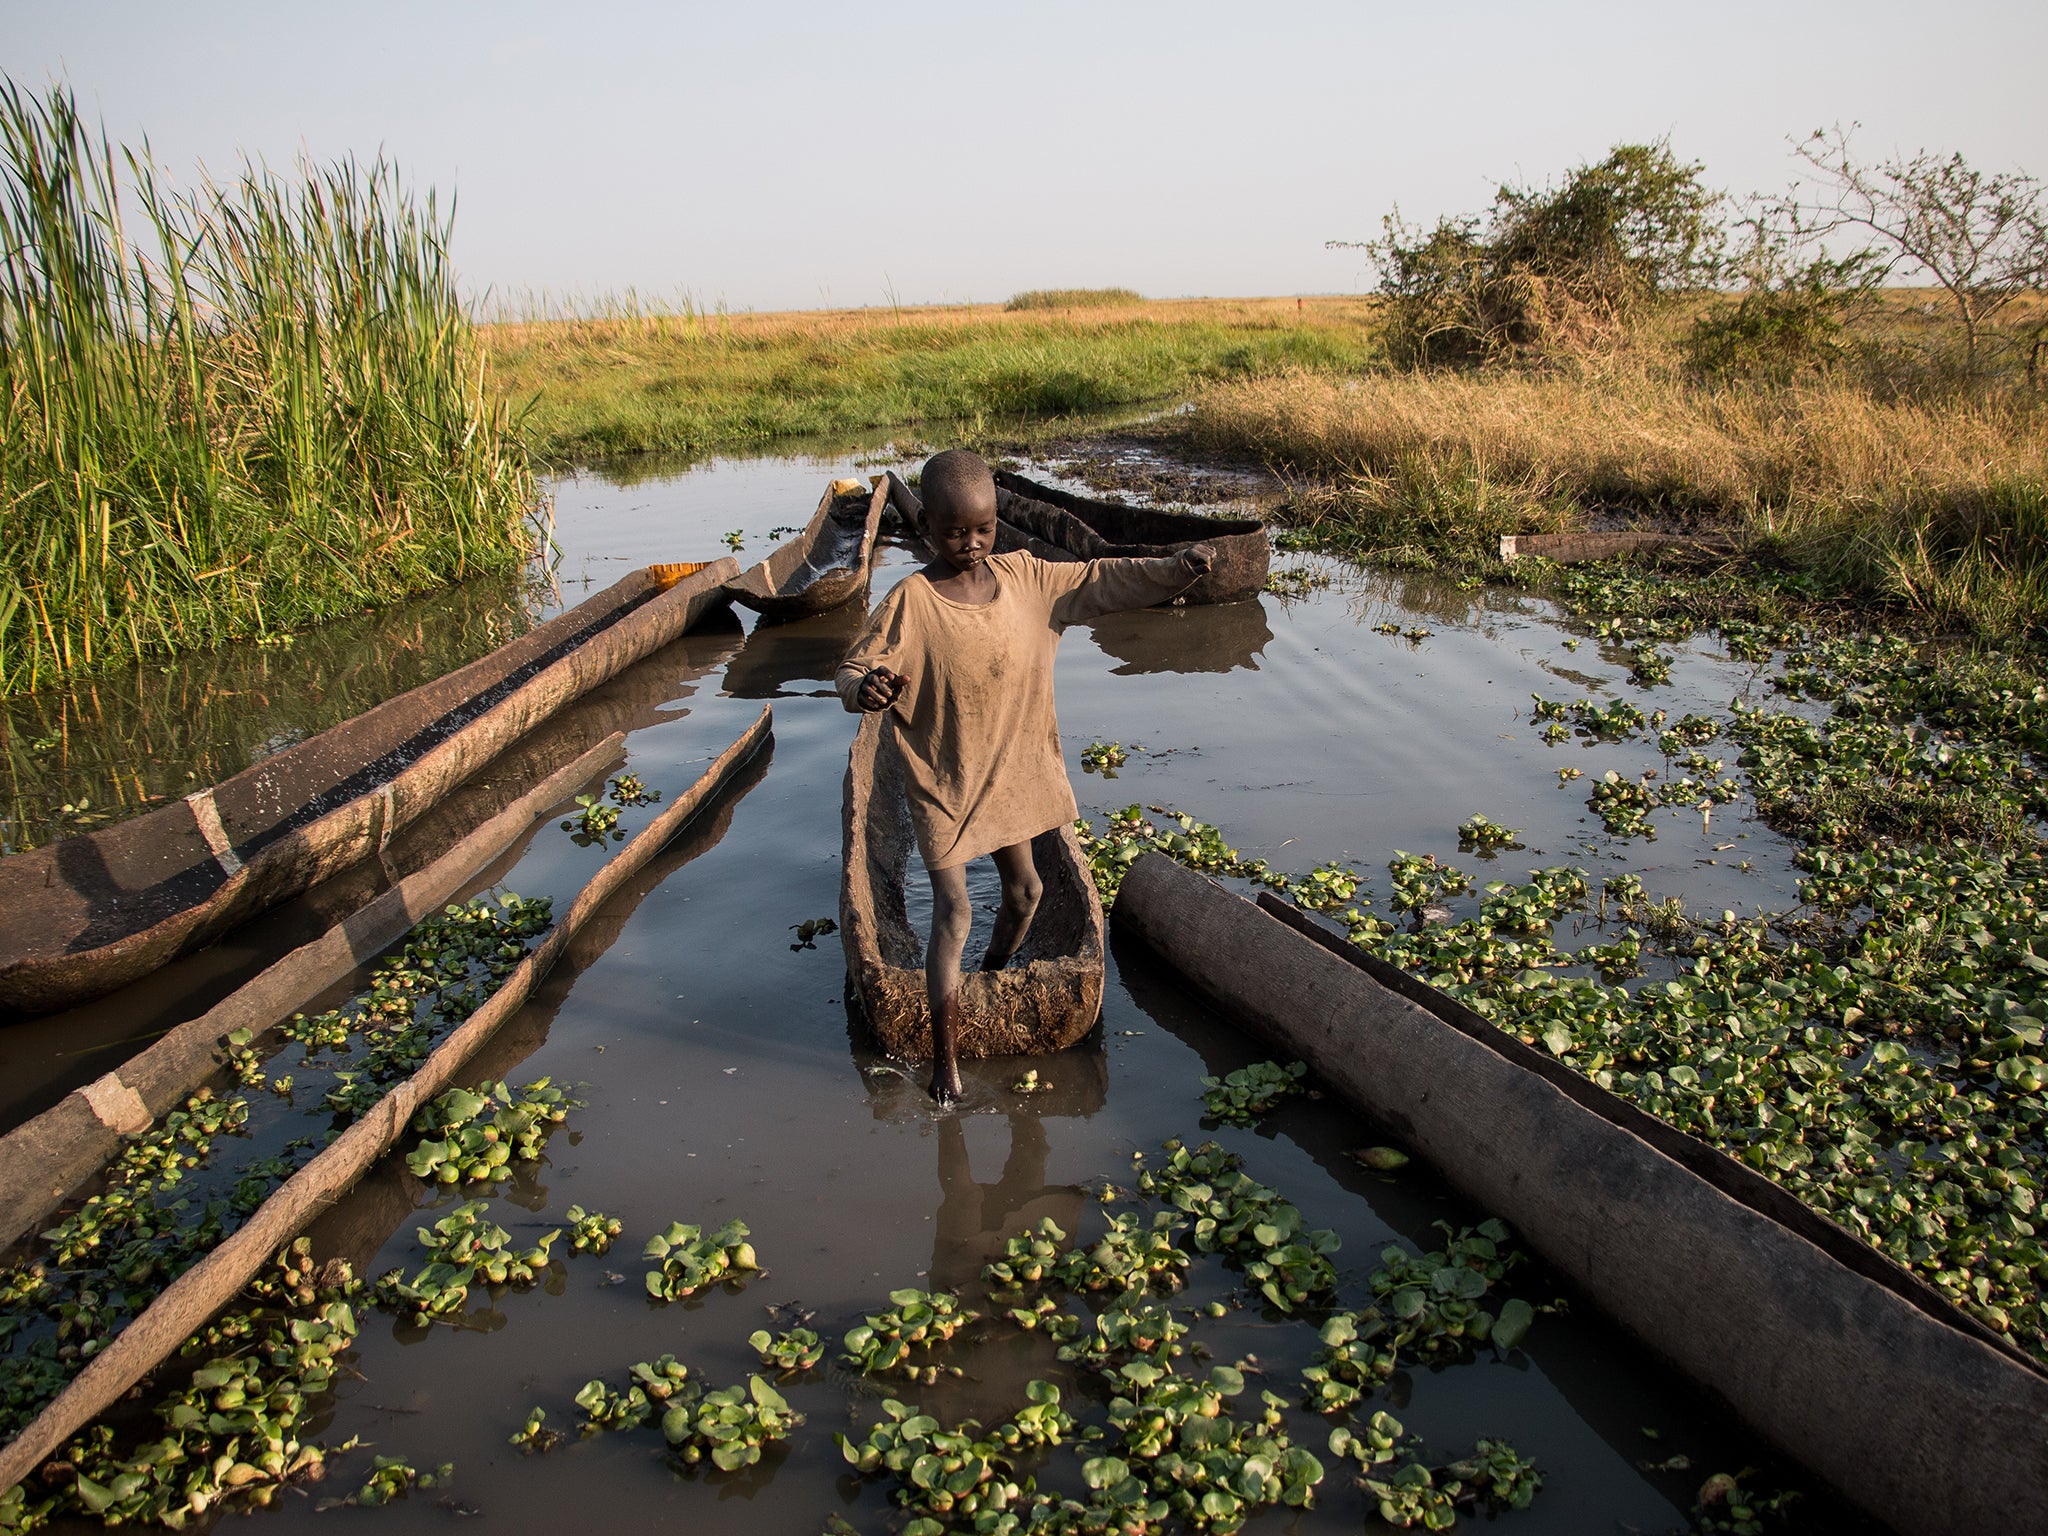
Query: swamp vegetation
x=231 y=411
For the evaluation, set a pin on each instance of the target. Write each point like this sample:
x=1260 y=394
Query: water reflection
x=804 y=650
x=44 y=1058
x=1218 y=637
x=116 y=745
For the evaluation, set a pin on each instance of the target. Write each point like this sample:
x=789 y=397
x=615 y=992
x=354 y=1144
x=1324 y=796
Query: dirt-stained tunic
x=981 y=749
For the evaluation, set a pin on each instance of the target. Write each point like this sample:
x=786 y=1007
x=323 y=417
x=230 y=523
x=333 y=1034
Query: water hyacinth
x=1241 y=1096
x=690 y=1262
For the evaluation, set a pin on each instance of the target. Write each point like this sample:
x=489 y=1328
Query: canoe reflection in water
x=1217 y=638
x=975 y=1219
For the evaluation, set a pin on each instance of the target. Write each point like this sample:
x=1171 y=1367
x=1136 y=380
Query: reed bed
x=252 y=406
x=1939 y=503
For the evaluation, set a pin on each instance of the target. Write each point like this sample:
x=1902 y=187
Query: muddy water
x=724 y=1077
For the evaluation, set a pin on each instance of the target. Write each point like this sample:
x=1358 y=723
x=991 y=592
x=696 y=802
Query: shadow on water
x=1219 y=637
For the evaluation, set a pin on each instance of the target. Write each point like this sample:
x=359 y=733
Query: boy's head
x=959 y=506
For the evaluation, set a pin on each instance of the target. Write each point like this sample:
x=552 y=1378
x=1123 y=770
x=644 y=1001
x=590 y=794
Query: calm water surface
x=724 y=1077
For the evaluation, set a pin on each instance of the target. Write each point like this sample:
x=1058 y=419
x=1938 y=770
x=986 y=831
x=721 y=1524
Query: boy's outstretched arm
x=1110 y=586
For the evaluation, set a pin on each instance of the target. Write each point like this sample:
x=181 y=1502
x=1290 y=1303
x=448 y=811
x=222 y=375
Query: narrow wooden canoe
x=826 y=566
x=1847 y=1361
x=93 y=912
x=1089 y=529
x=1048 y=998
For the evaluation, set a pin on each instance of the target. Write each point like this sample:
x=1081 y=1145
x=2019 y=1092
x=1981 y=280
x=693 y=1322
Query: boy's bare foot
x=944 y=1094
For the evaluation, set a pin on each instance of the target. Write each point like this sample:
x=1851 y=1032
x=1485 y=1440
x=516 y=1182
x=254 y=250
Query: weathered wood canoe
x=1048 y=998
x=183 y=1306
x=1848 y=1362
x=826 y=566
x=93 y=912
x=1088 y=529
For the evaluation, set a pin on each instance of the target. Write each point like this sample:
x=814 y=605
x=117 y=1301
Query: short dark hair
x=958 y=477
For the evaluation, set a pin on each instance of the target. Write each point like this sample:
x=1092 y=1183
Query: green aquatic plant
x=728 y=1426
x=689 y=1262
x=534 y=1437
x=1420 y=881
x=1105 y=757
x=798 y=1349
x=464 y=1248
x=391 y=1477
x=477 y=1136
x=592 y=1231
x=1028 y=1258
x=1282 y=1259
x=1352 y=1361
x=891 y=1342
x=627 y=789
x=1132 y=1329
x=232 y=1433
x=1487 y=836
x=1240 y=1097
x=810 y=930
x=594 y=823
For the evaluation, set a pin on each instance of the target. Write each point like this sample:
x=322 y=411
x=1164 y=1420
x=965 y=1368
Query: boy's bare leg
x=1021 y=890
x=952 y=916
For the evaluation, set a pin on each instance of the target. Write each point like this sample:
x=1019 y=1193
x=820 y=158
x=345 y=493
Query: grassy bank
x=254 y=407
x=639 y=382
x=1939 y=504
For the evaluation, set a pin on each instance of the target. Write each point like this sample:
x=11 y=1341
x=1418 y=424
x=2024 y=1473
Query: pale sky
x=804 y=154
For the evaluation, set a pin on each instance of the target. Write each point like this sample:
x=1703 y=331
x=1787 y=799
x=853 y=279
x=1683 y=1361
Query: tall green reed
x=256 y=405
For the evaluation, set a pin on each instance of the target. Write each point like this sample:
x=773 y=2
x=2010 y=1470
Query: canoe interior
x=1048 y=998
x=822 y=568
x=101 y=901
x=1089 y=529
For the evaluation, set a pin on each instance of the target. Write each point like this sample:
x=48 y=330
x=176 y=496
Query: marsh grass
x=681 y=379
x=1938 y=503
x=256 y=405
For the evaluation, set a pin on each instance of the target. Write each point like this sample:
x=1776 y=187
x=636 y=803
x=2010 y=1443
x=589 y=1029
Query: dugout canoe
x=1048 y=998
x=93 y=912
x=1090 y=529
x=826 y=566
x=183 y=1306
x=1849 y=1363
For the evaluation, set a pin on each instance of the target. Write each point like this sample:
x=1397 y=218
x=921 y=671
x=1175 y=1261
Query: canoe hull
x=97 y=911
x=826 y=566
x=1050 y=996
x=1090 y=529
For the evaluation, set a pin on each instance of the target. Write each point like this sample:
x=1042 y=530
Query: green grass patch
x=694 y=383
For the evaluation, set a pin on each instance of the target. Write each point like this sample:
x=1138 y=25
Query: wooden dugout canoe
x=1849 y=1363
x=826 y=566
x=1089 y=529
x=1048 y=998
x=90 y=913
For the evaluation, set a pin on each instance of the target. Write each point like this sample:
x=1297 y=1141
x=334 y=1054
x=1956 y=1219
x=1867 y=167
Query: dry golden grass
x=1636 y=441
x=1940 y=504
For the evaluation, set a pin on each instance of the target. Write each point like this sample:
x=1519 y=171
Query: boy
x=962 y=653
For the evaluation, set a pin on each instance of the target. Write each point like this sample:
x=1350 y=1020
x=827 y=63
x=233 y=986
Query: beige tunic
x=981 y=748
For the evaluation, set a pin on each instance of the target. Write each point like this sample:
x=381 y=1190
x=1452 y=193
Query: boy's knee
x=1021 y=893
